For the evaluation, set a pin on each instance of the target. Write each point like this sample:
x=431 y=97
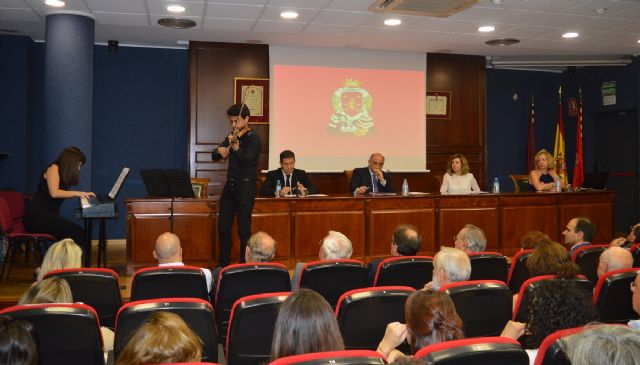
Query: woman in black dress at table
x=43 y=214
x=544 y=177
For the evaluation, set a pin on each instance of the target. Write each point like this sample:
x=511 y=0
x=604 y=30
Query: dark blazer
x=269 y=186
x=362 y=177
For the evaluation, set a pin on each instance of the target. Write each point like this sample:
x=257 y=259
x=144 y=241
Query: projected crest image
x=352 y=105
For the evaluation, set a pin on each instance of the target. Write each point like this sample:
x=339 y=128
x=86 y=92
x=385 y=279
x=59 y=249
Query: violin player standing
x=242 y=148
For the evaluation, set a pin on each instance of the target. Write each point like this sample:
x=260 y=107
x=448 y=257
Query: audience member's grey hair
x=336 y=246
x=475 y=238
x=604 y=345
x=258 y=251
x=454 y=262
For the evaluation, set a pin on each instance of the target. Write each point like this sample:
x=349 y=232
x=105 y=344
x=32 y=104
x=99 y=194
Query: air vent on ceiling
x=436 y=8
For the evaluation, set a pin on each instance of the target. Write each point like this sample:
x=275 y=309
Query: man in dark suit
x=406 y=241
x=371 y=178
x=292 y=180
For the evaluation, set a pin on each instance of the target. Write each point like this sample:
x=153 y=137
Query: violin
x=237 y=133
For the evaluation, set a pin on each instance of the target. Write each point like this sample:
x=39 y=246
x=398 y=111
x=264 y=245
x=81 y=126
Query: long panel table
x=298 y=224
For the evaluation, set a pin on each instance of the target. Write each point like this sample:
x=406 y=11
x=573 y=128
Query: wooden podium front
x=298 y=224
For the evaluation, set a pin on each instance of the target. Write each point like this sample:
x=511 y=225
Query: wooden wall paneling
x=524 y=213
x=599 y=209
x=479 y=210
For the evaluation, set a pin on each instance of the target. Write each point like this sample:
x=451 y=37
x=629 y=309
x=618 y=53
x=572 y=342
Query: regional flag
x=558 y=149
x=531 y=142
x=578 y=168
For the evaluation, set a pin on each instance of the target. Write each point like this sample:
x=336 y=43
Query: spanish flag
x=559 y=150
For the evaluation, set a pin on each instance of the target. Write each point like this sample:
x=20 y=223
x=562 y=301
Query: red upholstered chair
x=346 y=357
x=363 y=314
x=483 y=305
x=11 y=212
x=635 y=252
x=169 y=282
x=197 y=314
x=587 y=257
x=251 y=325
x=332 y=278
x=488 y=266
x=241 y=280
x=612 y=297
x=96 y=287
x=524 y=295
x=413 y=271
x=480 y=350
x=65 y=333
x=518 y=272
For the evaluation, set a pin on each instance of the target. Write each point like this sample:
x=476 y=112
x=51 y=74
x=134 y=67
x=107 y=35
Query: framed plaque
x=254 y=93
x=438 y=104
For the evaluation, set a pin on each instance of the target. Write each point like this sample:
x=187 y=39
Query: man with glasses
x=371 y=178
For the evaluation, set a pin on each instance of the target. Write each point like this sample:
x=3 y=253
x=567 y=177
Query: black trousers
x=237 y=199
x=53 y=224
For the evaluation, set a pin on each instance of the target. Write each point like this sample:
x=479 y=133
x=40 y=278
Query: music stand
x=167 y=183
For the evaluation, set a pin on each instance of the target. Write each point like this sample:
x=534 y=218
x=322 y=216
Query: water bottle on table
x=278 y=188
x=405 y=188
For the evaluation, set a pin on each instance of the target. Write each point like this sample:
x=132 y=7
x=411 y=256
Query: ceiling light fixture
x=176 y=8
x=289 y=14
x=502 y=42
x=55 y=3
x=486 y=28
x=571 y=35
x=177 y=23
x=392 y=22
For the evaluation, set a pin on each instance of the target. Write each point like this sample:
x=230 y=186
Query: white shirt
x=206 y=272
x=459 y=184
x=533 y=353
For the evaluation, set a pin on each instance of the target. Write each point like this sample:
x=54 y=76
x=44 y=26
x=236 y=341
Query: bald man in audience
x=614 y=258
x=335 y=246
x=471 y=239
x=406 y=241
x=450 y=265
x=168 y=252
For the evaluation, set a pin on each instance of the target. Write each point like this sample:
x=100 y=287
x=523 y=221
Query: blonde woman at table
x=458 y=179
x=544 y=177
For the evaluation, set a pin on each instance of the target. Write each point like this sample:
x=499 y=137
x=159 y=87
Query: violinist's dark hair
x=234 y=111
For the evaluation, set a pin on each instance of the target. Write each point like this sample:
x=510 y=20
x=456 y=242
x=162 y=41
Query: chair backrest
x=197 y=314
x=96 y=287
x=363 y=314
x=587 y=257
x=520 y=310
x=346 y=357
x=612 y=297
x=473 y=299
x=332 y=278
x=518 y=272
x=169 y=282
x=480 y=350
x=15 y=201
x=413 y=271
x=241 y=280
x=348 y=174
x=6 y=220
x=65 y=333
x=251 y=325
x=488 y=266
x=520 y=183
x=635 y=252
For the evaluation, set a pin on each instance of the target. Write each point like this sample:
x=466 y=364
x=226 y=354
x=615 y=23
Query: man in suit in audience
x=168 y=252
x=579 y=233
x=371 y=178
x=614 y=258
x=292 y=180
x=335 y=246
x=471 y=239
x=406 y=241
x=635 y=301
x=450 y=265
x=632 y=238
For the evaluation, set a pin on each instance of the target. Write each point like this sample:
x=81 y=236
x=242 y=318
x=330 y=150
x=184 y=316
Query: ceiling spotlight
x=289 y=14
x=600 y=11
x=570 y=35
x=55 y=3
x=176 y=8
x=638 y=40
x=177 y=23
x=486 y=28
x=502 y=42
x=392 y=22
x=496 y=2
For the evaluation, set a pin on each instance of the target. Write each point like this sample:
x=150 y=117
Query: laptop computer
x=595 y=181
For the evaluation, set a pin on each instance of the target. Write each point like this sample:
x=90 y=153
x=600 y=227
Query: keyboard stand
x=102 y=240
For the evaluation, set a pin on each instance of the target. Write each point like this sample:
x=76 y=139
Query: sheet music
x=118 y=184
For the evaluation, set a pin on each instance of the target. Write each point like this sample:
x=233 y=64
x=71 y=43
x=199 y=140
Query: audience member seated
x=335 y=246
x=17 y=342
x=604 y=345
x=64 y=254
x=579 y=233
x=632 y=238
x=305 y=324
x=406 y=241
x=614 y=258
x=168 y=252
x=162 y=338
x=635 y=301
x=550 y=258
x=450 y=265
x=471 y=239
x=458 y=179
x=532 y=238
x=555 y=305
x=431 y=318
x=544 y=177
